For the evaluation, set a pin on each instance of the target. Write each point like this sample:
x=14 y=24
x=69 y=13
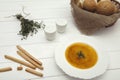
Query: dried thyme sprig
x=28 y=26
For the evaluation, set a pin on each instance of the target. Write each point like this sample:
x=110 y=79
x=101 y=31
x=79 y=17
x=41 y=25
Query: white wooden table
x=50 y=10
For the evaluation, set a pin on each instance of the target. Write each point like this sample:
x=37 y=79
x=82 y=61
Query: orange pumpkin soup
x=81 y=55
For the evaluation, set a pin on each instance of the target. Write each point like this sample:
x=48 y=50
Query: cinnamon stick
x=29 y=60
x=19 y=61
x=29 y=55
x=34 y=72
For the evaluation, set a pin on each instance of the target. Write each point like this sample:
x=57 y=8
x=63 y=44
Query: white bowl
x=98 y=69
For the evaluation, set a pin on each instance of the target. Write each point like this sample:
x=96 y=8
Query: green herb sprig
x=80 y=55
x=28 y=26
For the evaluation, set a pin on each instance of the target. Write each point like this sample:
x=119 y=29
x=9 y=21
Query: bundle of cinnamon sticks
x=31 y=62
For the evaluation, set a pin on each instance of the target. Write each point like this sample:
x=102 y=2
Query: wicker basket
x=88 y=22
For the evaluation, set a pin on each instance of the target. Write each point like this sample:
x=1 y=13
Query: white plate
x=97 y=70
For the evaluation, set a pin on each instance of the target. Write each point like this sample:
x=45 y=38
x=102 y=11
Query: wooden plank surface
x=49 y=11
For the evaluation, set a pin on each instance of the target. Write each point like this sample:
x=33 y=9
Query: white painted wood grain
x=107 y=40
x=41 y=9
x=46 y=51
x=106 y=43
x=109 y=75
x=50 y=69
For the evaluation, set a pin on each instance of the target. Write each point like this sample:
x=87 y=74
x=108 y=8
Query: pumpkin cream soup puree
x=81 y=55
